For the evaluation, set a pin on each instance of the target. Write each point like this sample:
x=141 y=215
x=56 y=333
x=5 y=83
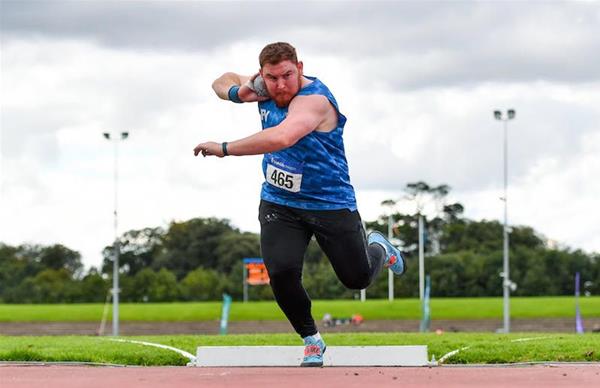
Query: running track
x=60 y=376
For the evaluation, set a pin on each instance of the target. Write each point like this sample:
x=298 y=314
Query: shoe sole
x=311 y=364
x=400 y=253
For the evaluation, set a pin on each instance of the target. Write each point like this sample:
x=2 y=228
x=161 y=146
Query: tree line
x=201 y=258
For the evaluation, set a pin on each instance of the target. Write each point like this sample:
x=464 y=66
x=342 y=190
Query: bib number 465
x=284 y=180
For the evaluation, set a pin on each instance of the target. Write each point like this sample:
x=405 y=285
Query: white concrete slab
x=292 y=356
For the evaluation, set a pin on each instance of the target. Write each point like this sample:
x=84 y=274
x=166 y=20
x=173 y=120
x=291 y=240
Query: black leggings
x=285 y=234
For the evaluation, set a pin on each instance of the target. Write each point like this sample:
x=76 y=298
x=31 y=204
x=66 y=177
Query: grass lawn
x=441 y=308
x=483 y=347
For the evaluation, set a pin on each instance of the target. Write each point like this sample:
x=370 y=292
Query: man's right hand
x=222 y=85
x=247 y=92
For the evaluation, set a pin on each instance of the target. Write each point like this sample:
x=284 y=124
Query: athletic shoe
x=313 y=352
x=393 y=258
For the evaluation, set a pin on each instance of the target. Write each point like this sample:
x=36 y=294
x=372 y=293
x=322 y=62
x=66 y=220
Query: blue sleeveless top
x=313 y=173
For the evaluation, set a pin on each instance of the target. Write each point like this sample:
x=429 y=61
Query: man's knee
x=284 y=278
x=357 y=281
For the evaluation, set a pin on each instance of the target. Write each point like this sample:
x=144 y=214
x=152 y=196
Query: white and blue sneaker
x=314 y=348
x=393 y=257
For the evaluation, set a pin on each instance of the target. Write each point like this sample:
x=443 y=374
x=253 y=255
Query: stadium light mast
x=507 y=284
x=116 y=249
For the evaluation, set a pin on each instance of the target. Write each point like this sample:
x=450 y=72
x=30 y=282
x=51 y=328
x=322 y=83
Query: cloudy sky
x=418 y=82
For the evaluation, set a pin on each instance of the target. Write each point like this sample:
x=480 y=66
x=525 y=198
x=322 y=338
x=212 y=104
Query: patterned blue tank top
x=313 y=173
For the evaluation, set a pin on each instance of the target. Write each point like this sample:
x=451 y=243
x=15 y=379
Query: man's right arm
x=245 y=93
x=222 y=84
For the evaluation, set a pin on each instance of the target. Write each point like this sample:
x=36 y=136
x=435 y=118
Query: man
x=307 y=190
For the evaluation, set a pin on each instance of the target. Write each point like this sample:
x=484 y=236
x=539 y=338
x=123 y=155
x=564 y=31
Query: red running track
x=543 y=376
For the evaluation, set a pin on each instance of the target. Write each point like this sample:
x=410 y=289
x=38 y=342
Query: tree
x=405 y=228
x=150 y=286
x=233 y=247
x=453 y=212
x=314 y=253
x=48 y=286
x=192 y=244
x=164 y=288
x=321 y=282
x=60 y=257
x=199 y=259
x=203 y=284
x=477 y=236
x=137 y=249
x=93 y=287
x=22 y=272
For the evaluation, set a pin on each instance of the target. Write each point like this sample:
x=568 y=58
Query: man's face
x=282 y=80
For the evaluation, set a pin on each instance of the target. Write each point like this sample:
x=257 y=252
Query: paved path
x=542 y=376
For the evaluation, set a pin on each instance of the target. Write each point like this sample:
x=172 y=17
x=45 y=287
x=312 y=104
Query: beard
x=283 y=99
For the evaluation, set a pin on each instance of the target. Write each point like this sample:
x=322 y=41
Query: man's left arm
x=305 y=113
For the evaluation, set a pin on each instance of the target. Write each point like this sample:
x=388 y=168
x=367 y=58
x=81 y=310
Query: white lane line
x=452 y=353
x=529 y=339
x=190 y=356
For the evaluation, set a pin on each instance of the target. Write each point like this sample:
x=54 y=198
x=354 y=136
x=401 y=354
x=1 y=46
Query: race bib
x=284 y=175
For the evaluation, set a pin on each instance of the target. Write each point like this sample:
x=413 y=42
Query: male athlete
x=307 y=190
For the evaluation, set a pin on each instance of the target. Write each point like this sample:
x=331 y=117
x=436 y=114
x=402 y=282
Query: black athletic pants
x=285 y=234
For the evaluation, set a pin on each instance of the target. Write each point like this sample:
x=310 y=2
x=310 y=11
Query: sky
x=418 y=82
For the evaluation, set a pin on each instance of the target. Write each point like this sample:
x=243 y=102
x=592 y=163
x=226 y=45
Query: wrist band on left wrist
x=224 y=148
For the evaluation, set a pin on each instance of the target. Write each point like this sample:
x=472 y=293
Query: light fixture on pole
x=115 y=291
x=507 y=284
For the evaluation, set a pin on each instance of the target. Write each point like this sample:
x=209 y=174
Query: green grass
x=441 y=308
x=483 y=348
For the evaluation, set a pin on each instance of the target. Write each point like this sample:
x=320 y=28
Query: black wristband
x=233 y=94
x=224 y=148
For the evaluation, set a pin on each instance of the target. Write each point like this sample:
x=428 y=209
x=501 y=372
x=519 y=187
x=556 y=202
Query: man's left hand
x=209 y=148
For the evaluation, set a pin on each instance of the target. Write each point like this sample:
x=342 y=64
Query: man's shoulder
x=309 y=101
x=311 y=84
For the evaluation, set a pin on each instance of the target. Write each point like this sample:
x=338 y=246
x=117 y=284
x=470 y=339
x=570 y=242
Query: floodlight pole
x=116 y=252
x=506 y=284
x=390 y=273
x=421 y=258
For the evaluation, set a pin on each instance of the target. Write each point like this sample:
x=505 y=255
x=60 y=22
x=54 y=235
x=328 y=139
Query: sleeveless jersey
x=313 y=173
